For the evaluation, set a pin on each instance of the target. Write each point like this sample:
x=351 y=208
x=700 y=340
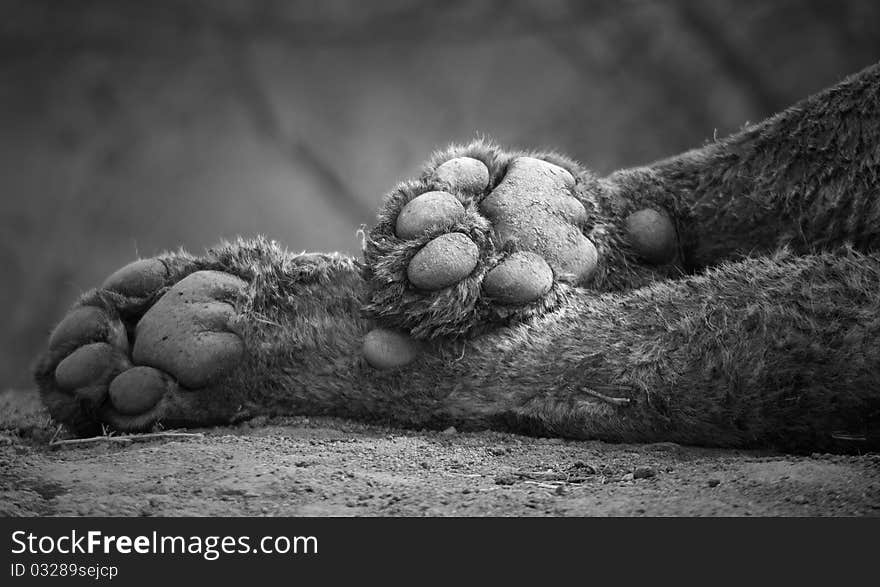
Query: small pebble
x=643 y=472
x=800 y=499
x=582 y=467
x=450 y=430
x=714 y=482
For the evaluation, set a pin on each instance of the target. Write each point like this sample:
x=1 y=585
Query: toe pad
x=444 y=261
x=87 y=371
x=137 y=390
x=430 y=210
x=138 y=279
x=521 y=278
x=462 y=174
x=87 y=324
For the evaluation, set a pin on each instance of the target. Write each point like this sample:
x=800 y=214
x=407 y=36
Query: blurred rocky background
x=130 y=127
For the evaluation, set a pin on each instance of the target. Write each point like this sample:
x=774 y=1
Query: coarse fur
x=764 y=331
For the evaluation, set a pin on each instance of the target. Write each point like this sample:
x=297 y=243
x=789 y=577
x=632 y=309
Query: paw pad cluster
x=485 y=238
x=533 y=213
x=182 y=342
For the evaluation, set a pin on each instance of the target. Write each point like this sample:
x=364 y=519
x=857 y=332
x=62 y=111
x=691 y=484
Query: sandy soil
x=329 y=467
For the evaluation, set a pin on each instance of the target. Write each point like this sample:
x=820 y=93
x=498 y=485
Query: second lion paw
x=486 y=237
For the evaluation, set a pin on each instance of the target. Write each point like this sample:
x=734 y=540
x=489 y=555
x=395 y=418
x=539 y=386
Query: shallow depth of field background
x=130 y=127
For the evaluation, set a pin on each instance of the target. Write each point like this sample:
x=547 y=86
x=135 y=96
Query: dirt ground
x=329 y=467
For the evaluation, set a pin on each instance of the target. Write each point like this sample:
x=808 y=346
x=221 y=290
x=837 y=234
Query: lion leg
x=777 y=351
x=181 y=340
x=805 y=179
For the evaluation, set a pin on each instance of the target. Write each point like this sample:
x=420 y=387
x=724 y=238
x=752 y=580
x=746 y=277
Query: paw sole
x=186 y=333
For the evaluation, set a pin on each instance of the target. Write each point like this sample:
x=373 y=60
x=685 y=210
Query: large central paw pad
x=534 y=209
x=187 y=331
x=483 y=237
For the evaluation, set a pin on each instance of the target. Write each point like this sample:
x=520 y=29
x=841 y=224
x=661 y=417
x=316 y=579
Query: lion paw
x=145 y=347
x=487 y=238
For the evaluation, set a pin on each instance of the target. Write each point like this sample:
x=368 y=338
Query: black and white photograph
x=472 y=259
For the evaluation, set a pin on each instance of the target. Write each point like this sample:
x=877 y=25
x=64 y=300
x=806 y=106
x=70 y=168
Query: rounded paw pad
x=427 y=211
x=389 y=349
x=87 y=324
x=651 y=235
x=462 y=174
x=186 y=333
x=87 y=370
x=521 y=278
x=139 y=389
x=138 y=279
x=444 y=261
